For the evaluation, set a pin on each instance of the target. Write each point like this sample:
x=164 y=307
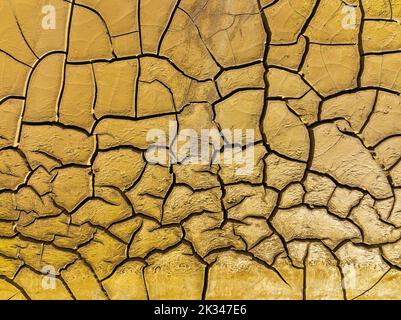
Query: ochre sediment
x=84 y=214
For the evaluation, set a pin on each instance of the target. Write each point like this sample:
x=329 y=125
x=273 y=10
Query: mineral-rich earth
x=85 y=215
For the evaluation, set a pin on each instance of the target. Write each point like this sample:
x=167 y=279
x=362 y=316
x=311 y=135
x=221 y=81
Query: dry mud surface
x=84 y=215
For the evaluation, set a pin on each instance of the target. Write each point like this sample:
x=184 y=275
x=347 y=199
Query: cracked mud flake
x=82 y=83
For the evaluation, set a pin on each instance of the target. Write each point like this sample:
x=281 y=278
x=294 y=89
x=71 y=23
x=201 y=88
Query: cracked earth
x=319 y=217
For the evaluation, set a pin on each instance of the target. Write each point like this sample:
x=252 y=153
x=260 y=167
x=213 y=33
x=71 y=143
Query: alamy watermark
x=49 y=20
x=207 y=147
x=349 y=20
x=49 y=278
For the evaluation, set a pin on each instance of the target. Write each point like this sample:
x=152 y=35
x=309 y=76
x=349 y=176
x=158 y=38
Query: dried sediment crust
x=83 y=84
